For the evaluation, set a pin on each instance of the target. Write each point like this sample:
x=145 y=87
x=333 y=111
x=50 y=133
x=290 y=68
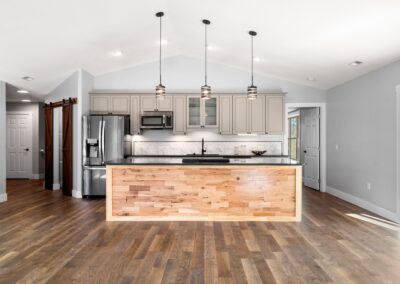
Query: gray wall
x=37 y=129
x=362 y=122
x=181 y=73
x=3 y=195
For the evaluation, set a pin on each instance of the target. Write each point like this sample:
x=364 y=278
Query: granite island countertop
x=278 y=161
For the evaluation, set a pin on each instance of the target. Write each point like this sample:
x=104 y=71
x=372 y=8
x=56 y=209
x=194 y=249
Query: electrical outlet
x=369 y=186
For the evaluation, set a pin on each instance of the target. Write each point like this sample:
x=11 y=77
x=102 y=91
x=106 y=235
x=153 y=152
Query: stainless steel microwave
x=156 y=120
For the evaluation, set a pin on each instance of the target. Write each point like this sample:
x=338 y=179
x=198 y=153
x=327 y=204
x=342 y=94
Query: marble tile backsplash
x=212 y=147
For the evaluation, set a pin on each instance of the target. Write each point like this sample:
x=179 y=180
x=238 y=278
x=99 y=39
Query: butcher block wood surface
x=203 y=193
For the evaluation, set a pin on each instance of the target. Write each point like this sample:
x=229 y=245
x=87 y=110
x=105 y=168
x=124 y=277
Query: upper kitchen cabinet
x=135 y=115
x=109 y=104
x=99 y=104
x=202 y=113
x=225 y=115
x=179 y=115
x=120 y=104
x=248 y=115
x=274 y=118
x=150 y=103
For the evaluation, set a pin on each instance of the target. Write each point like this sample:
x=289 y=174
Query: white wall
x=76 y=85
x=362 y=123
x=3 y=194
x=181 y=73
x=37 y=124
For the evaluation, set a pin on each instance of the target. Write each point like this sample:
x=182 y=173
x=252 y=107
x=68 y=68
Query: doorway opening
x=305 y=133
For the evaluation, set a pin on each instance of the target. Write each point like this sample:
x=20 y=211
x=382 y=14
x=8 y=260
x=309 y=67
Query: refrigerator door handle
x=102 y=142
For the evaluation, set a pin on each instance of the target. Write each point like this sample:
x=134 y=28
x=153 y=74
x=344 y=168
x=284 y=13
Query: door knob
x=27 y=149
x=305 y=151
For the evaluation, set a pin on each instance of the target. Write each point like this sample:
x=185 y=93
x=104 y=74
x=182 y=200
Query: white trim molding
x=37 y=176
x=56 y=186
x=398 y=151
x=76 y=193
x=392 y=216
x=322 y=107
x=3 y=197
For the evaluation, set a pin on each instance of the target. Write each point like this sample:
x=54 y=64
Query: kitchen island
x=170 y=189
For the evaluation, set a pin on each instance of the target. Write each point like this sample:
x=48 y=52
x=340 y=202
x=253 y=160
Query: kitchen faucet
x=203 y=150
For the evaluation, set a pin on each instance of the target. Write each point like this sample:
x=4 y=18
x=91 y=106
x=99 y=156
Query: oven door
x=152 y=121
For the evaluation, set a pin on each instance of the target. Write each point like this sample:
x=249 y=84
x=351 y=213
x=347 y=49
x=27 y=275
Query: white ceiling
x=49 y=39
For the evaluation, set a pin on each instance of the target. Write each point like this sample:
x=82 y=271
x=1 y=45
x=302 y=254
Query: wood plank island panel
x=203 y=193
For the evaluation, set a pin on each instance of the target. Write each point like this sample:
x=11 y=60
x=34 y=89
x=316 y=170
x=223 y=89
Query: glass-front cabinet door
x=202 y=113
x=210 y=113
x=194 y=112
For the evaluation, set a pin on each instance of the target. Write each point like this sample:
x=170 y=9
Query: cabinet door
x=257 y=115
x=210 y=112
x=99 y=104
x=225 y=114
x=194 y=112
x=120 y=104
x=135 y=115
x=240 y=114
x=165 y=104
x=179 y=115
x=148 y=103
x=275 y=115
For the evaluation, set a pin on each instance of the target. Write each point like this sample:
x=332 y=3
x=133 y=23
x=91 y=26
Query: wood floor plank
x=46 y=237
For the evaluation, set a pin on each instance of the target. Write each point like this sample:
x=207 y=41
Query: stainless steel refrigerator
x=103 y=140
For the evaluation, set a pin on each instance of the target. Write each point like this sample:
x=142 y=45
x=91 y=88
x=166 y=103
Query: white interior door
x=19 y=145
x=310 y=147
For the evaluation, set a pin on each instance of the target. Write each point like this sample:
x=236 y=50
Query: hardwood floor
x=47 y=237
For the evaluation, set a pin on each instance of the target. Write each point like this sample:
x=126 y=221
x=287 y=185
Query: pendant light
x=205 y=90
x=252 y=90
x=160 y=88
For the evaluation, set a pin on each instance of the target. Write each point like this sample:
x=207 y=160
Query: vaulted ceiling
x=49 y=39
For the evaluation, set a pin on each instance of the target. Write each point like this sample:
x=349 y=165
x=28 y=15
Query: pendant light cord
x=160 y=50
x=205 y=52
x=252 y=61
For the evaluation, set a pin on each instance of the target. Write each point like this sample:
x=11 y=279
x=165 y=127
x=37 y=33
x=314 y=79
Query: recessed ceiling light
x=28 y=78
x=356 y=63
x=117 y=53
x=164 y=42
x=23 y=92
x=310 y=78
x=26 y=101
x=212 y=47
x=257 y=59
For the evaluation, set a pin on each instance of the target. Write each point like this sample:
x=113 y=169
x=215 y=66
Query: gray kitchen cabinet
x=256 y=110
x=99 y=104
x=274 y=118
x=202 y=113
x=240 y=114
x=179 y=115
x=119 y=104
x=150 y=103
x=135 y=115
x=225 y=115
x=248 y=115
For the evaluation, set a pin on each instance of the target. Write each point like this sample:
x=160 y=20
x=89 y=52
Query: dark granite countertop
x=281 y=160
x=207 y=155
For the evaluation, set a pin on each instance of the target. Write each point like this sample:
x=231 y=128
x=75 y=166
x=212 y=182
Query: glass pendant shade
x=252 y=92
x=205 y=92
x=160 y=91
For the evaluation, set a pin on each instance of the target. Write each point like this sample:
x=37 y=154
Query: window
x=294 y=141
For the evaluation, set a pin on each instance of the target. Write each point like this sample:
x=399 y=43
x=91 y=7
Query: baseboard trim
x=76 y=193
x=56 y=186
x=392 y=216
x=37 y=176
x=3 y=197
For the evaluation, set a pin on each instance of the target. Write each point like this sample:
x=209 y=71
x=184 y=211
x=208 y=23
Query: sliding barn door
x=48 y=141
x=67 y=149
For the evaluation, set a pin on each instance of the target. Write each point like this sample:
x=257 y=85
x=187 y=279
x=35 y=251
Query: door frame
x=29 y=113
x=398 y=152
x=322 y=135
